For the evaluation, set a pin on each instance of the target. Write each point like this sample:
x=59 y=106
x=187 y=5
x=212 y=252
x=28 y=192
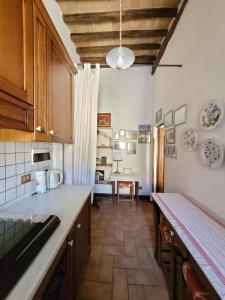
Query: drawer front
x=15 y=114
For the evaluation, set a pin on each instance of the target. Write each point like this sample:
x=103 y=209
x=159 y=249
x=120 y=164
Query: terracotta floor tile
x=103 y=241
x=126 y=262
x=95 y=255
x=91 y=290
x=141 y=277
x=156 y=293
x=144 y=242
x=120 y=290
x=91 y=273
x=136 y=292
x=130 y=248
x=98 y=232
x=106 y=269
x=113 y=250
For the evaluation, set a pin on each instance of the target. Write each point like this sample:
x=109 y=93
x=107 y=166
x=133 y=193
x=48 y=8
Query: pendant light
x=120 y=57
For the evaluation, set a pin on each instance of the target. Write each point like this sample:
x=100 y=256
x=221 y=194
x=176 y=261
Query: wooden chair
x=125 y=184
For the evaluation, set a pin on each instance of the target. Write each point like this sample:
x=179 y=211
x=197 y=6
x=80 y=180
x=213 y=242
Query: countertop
x=65 y=202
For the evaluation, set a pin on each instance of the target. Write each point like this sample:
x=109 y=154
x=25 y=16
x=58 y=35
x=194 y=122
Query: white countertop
x=65 y=202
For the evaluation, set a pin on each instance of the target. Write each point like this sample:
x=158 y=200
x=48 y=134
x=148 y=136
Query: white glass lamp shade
x=120 y=58
x=117 y=156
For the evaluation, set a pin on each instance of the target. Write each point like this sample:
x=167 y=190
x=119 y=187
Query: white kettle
x=55 y=178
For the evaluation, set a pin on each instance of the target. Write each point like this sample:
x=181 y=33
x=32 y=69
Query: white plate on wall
x=190 y=139
x=212 y=115
x=211 y=153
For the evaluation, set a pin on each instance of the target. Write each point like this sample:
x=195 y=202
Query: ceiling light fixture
x=120 y=57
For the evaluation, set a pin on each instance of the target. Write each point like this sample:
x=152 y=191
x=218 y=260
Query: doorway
x=159 y=160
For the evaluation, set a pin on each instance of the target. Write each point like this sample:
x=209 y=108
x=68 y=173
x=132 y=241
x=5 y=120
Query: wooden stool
x=125 y=184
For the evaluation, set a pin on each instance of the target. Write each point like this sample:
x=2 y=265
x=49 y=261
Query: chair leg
x=118 y=194
x=173 y=272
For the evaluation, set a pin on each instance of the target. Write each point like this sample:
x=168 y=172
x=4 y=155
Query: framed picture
x=170 y=151
x=144 y=138
x=131 y=134
x=122 y=132
x=180 y=115
x=99 y=175
x=116 y=136
x=104 y=160
x=168 y=119
x=119 y=145
x=170 y=136
x=158 y=116
x=131 y=148
x=104 y=120
x=144 y=128
x=127 y=171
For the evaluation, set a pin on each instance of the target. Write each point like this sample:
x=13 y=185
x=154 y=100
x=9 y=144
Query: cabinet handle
x=52 y=132
x=39 y=129
x=70 y=243
x=79 y=225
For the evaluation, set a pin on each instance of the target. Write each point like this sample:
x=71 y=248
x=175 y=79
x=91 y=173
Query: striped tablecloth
x=201 y=233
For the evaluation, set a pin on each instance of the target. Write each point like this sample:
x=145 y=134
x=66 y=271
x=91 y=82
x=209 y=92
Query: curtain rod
x=141 y=65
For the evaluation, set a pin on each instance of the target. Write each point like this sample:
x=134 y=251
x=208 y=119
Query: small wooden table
x=134 y=177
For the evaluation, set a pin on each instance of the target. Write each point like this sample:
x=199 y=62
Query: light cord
x=120 y=23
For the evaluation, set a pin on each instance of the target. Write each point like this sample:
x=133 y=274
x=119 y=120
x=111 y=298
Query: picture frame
x=158 y=116
x=169 y=119
x=144 y=138
x=99 y=175
x=180 y=115
x=170 y=151
x=170 y=136
x=127 y=171
x=104 y=120
x=144 y=128
x=104 y=160
x=131 y=148
x=131 y=135
x=118 y=145
x=122 y=132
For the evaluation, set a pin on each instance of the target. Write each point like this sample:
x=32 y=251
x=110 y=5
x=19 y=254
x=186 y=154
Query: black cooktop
x=21 y=238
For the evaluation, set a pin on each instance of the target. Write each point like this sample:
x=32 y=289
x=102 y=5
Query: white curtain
x=80 y=158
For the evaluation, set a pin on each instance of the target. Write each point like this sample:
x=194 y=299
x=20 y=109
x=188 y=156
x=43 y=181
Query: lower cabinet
x=63 y=278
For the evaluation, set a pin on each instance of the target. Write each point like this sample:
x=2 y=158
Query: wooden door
x=40 y=80
x=16 y=50
x=160 y=160
x=59 y=77
x=82 y=240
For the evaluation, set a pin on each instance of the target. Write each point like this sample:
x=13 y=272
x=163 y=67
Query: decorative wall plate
x=190 y=139
x=211 y=153
x=212 y=114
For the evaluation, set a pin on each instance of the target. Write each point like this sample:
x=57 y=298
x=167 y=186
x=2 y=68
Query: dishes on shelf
x=212 y=115
x=211 y=153
x=190 y=139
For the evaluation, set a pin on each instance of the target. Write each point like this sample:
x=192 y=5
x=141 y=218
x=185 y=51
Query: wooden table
x=201 y=232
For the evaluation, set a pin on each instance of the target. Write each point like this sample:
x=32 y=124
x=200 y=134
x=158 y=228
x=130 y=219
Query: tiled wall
x=15 y=161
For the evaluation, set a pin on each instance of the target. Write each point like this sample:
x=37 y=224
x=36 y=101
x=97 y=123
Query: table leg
x=136 y=190
x=113 y=190
x=158 y=240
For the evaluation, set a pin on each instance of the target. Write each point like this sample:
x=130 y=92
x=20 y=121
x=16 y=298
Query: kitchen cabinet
x=59 y=96
x=63 y=277
x=16 y=65
x=40 y=77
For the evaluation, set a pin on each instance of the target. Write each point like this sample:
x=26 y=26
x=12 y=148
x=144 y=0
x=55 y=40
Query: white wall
x=198 y=44
x=55 y=14
x=127 y=96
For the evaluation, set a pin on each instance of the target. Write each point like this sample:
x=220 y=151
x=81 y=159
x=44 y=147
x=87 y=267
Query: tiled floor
x=121 y=264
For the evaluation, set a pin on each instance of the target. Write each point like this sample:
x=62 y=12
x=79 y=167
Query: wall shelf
x=103 y=165
x=104 y=147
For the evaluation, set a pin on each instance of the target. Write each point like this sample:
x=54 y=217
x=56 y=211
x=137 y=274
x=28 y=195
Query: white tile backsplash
x=15 y=161
x=10 y=171
x=10 y=159
x=10 y=147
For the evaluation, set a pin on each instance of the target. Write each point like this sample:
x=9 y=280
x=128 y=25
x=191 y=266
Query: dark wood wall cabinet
x=62 y=281
x=36 y=73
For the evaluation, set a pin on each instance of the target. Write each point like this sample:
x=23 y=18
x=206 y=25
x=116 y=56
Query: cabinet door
x=40 y=98
x=59 y=93
x=82 y=240
x=71 y=283
x=16 y=50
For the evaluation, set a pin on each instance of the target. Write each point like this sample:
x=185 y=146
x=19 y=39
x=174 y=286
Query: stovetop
x=21 y=238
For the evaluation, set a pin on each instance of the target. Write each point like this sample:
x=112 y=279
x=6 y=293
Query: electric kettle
x=54 y=178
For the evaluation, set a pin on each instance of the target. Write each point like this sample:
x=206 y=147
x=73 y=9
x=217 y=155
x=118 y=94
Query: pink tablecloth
x=202 y=234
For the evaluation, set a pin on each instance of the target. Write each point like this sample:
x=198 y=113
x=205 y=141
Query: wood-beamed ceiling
x=94 y=27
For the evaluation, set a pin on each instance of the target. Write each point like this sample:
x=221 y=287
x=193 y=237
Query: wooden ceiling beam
x=169 y=35
x=115 y=34
x=113 y=16
x=102 y=60
x=86 y=50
